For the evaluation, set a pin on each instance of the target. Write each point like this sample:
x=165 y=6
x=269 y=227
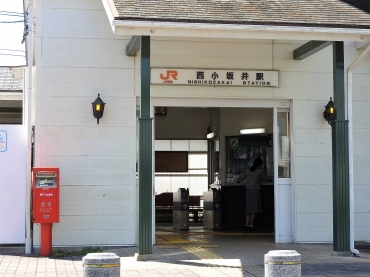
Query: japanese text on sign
x=215 y=77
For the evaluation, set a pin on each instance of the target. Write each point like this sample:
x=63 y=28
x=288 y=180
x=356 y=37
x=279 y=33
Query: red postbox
x=45 y=182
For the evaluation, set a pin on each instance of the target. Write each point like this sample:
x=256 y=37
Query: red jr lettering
x=170 y=73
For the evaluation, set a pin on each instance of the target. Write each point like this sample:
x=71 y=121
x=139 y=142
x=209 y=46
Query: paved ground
x=199 y=252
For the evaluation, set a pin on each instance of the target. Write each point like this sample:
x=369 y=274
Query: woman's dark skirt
x=253 y=201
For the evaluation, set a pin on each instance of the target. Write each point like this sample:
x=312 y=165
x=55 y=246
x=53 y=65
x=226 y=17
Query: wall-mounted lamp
x=252 y=131
x=98 y=108
x=329 y=111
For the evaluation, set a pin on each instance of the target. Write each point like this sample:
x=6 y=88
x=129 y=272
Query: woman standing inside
x=253 y=177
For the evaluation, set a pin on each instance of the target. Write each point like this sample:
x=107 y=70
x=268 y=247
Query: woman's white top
x=253 y=179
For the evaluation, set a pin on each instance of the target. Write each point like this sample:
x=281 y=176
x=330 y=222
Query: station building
x=216 y=68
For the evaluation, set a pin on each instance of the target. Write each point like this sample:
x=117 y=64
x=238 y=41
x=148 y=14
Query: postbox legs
x=46 y=239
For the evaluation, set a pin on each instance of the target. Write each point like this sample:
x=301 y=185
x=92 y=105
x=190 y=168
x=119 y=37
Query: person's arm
x=241 y=177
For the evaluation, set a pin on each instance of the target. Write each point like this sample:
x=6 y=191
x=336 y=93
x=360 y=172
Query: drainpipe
x=350 y=147
x=28 y=122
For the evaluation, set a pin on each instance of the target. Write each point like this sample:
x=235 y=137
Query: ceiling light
x=252 y=131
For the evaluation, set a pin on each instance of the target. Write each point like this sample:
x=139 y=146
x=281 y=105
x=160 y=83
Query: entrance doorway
x=180 y=128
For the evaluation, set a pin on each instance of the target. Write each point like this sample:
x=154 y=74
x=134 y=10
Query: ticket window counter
x=276 y=196
x=233 y=208
x=240 y=154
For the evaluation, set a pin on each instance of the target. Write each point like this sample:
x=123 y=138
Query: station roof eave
x=306 y=19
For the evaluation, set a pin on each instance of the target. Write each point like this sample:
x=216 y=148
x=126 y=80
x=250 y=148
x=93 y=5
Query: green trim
x=338 y=80
x=145 y=77
x=145 y=154
x=309 y=49
x=341 y=241
x=341 y=220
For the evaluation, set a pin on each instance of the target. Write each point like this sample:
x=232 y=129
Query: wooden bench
x=164 y=208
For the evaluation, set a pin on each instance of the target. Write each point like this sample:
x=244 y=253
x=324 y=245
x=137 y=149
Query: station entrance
x=205 y=149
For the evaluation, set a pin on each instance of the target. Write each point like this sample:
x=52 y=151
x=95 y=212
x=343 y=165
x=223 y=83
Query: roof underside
x=324 y=13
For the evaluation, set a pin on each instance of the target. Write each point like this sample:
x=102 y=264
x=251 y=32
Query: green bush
x=83 y=252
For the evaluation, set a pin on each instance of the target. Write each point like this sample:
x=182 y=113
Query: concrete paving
x=199 y=252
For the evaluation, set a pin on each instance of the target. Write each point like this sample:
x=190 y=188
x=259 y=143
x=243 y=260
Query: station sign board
x=214 y=77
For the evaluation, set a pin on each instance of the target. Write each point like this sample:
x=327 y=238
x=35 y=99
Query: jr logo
x=170 y=74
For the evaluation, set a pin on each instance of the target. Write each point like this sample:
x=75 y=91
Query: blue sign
x=3 y=141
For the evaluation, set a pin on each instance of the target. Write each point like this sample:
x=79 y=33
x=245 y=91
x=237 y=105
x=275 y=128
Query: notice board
x=171 y=161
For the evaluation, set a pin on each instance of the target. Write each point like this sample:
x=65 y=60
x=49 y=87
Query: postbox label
x=46 y=194
x=46 y=207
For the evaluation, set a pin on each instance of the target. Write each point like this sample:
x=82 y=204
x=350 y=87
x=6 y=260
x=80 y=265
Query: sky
x=12 y=51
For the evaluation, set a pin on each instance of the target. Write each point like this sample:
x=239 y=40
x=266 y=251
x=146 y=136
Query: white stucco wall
x=77 y=57
x=361 y=146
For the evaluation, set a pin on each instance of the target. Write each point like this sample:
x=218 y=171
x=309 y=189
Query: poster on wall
x=214 y=77
x=13 y=171
x=3 y=140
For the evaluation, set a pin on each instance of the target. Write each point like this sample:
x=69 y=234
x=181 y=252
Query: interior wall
x=235 y=119
x=180 y=129
x=214 y=119
x=182 y=123
x=192 y=123
x=232 y=120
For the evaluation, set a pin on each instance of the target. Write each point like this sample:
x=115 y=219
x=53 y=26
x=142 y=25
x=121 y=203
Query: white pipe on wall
x=276 y=176
x=350 y=146
x=28 y=97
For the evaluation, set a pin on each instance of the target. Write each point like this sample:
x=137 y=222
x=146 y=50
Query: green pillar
x=340 y=156
x=145 y=154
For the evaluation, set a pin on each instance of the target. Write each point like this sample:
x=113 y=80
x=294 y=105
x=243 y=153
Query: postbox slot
x=45 y=180
x=46 y=175
x=46 y=183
